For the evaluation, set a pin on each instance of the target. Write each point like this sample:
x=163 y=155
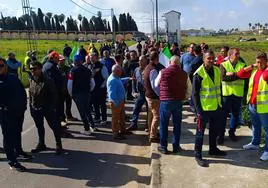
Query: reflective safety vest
x=210 y=92
x=234 y=87
x=262 y=96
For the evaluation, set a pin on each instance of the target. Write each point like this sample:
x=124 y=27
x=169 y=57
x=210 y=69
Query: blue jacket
x=12 y=94
x=13 y=66
x=108 y=62
x=115 y=90
x=186 y=60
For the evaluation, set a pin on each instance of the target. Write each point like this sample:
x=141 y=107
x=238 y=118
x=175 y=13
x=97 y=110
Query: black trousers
x=10 y=139
x=82 y=101
x=99 y=103
x=50 y=115
x=215 y=120
x=65 y=105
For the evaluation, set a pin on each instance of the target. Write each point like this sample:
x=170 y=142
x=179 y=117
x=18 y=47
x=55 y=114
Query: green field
x=248 y=49
x=19 y=47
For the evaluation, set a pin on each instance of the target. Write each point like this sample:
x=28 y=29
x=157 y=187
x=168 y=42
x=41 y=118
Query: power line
x=83 y=8
x=95 y=6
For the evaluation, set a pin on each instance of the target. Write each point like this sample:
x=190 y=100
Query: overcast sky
x=211 y=14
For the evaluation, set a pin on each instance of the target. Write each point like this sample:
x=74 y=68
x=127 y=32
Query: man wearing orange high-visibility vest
x=258 y=101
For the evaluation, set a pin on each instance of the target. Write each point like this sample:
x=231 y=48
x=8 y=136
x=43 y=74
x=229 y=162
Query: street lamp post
x=153 y=18
x=156 y=7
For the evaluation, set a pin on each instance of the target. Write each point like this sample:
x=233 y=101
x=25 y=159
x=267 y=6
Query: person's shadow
x=99 y=169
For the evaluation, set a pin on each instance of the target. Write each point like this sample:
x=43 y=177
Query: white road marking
x=27 y=130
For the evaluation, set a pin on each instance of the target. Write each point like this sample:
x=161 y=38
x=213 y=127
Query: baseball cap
x=77 y=58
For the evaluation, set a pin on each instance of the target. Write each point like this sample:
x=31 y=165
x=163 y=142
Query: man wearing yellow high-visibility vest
x=232 y=92
x=207 y=101
x=258 y=101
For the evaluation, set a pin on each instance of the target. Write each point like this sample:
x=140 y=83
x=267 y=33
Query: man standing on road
x=258 y=101
x=66 y=101
x=51 y=71
x=13 y=65
x=139 y=47
x=173 y=87
x=67 y=52
x=10 y=88
x=43 y=103
x=100 y=74
x=232 y=91
x=116 y=95
x=152 y=95
x=207 y=100
x=187 y=58
x=80 y=85
x=139 y=92
x=107 y=61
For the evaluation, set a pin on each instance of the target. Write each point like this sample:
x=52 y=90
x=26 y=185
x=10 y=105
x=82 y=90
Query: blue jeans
x=168 y=108
x=137 y=109
x=231 y=104
x=258 y=120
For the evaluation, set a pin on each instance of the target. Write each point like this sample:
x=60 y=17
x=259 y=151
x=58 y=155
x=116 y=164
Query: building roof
x=173 y=11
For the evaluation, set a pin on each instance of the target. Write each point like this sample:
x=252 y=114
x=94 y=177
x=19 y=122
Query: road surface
x=94 y=161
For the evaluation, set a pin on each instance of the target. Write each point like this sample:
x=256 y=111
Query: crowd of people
x=214 y=87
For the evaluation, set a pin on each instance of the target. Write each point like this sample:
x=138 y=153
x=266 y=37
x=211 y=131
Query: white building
x=173 y=26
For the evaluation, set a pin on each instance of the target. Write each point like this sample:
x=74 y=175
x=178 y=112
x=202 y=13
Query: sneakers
x=39 y=148
x=217 y=152
x=18 y=167
x=201 y=162
x=250 y=146
x=72 y=119
x=87 y=133
x=163 y=150
x=24 y=155
x=59 y=149
x=97 y=120
x=119 y=137
x=177 y=150
x=220 y=140
x=264 y=156
x=154 y=140
x=233 y=137
x=103 y=123
x=132 y=128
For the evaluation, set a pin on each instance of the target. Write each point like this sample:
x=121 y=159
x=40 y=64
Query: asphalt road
x=93 y=161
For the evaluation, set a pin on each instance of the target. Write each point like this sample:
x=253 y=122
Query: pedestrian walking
x=80 y=85
x=138 y=92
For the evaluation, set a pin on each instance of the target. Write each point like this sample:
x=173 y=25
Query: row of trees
x=54 y=22
x=257 y=26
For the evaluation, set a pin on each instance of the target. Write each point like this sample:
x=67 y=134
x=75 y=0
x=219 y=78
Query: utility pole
x=113 y=24
x=156 y=10
x=153 y=18
x=31 y=41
